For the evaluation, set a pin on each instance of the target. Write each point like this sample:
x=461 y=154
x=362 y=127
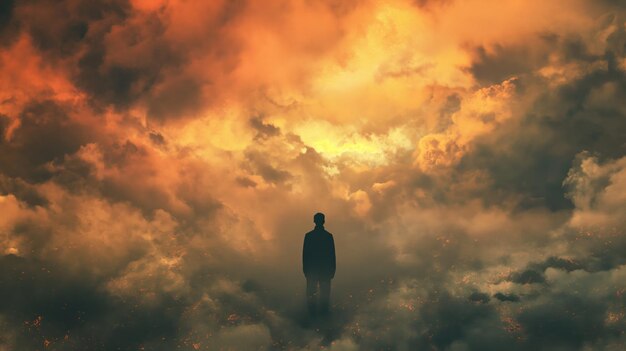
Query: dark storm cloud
x=117 y=56
x=528 y=277
x=157 y=138
x=71 y=311
x=8 y=27
x=560 y=263
x=264 y=129
x=260 y=165
x=452 y=105
x=534 y=273
x=443 y=322
x=607 y=252
x=129 y=172
x=615 y=3
x=452 y=319
x=501 y=63
x=479 y=297
x=179 y=97
x=121 y=84
x=75 y=175
x=122 y=55
x=6 y=12
x=530 y=158
x=49 y=300
x=59 y=28
x=567 y=321
x=45 y=134
x=77 y=31
x=567 y=121
x=22 y=190
x=246 y=182
x=506 y=297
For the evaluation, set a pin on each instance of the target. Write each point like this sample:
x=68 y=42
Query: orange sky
x=147 y=143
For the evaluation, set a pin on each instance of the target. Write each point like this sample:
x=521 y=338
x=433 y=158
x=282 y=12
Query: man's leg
x=311 y=294
x=324 y=295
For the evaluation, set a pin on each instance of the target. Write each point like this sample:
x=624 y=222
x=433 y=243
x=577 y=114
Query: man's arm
x=333 y=260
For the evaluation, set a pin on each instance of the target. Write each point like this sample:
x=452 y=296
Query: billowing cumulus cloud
x=160 y=162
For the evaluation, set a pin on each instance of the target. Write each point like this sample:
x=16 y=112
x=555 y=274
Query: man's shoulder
x=327 y=234
x=317 y=232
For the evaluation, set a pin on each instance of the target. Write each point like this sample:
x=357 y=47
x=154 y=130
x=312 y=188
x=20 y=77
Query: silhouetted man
x=318 y=262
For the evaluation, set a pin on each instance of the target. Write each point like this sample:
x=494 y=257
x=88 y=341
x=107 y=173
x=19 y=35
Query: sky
x=161 y=161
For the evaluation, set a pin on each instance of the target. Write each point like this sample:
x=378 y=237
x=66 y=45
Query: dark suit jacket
x=318 y=254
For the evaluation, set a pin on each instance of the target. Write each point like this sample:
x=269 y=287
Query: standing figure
x=319 y=264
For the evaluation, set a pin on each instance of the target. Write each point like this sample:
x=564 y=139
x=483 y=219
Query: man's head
x=319 y=218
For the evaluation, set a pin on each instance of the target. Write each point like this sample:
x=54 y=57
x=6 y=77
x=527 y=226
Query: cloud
x=161 y=160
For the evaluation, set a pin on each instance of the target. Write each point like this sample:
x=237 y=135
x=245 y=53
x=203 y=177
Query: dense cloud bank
x=160 y=162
